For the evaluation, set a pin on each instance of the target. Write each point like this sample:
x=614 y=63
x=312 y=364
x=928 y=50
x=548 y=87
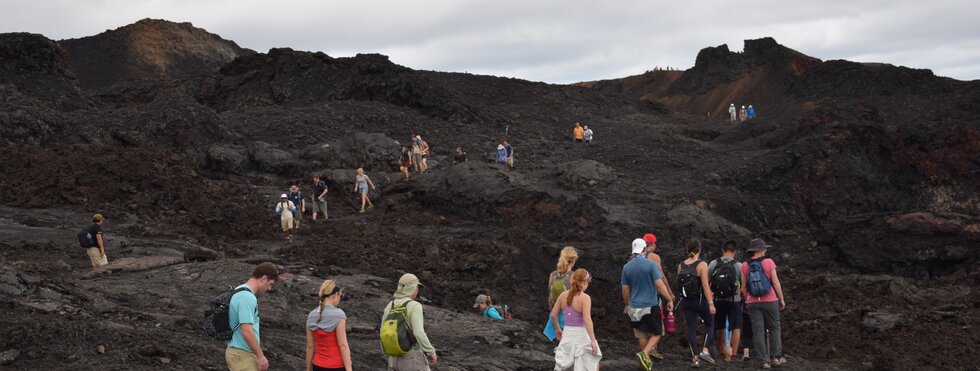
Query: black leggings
x=692 y=309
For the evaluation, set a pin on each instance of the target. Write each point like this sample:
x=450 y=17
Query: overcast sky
x=552 y=41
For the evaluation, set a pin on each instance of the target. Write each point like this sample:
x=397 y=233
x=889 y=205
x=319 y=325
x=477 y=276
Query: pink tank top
x=573 y=318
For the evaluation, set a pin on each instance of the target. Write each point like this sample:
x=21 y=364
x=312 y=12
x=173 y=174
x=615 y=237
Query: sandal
x=766 y=366
x=779 y=361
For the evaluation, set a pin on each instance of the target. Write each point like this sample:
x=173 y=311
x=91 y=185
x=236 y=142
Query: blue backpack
x=759 y=283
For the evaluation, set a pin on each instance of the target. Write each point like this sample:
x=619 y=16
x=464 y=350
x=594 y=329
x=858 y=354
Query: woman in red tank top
x=326 y=332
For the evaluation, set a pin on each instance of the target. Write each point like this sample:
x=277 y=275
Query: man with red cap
x=651 y=241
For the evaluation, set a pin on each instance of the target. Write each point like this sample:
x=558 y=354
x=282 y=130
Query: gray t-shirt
x=328 y=321
x=738 y=277
x=362 y=181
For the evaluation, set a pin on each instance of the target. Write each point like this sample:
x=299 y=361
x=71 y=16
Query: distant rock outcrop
x=148 y=49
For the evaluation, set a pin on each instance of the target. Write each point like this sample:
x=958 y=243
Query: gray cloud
x=552 y=41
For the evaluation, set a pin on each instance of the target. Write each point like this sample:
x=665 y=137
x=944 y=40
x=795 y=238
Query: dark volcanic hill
x=870 y=200
x=148 y=49
x=783 y=83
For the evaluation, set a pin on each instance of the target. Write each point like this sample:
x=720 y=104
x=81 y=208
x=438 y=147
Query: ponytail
x=579 y=279
x=564 y=261
x=326 y=289
x=693 y=248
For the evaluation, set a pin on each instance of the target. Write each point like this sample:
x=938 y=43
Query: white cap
x=500 y=146
x=283 y=196
x=639 y=245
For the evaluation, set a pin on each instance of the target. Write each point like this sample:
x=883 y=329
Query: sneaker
x=362 y=211
x=745 y=357
x=766 y=366
x=707 y=357
x=779 y=361
x=655 y=354
x=696 y=364
x=645 y=361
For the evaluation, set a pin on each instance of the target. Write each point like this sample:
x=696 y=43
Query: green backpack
x=397 y=338
x=559 y=284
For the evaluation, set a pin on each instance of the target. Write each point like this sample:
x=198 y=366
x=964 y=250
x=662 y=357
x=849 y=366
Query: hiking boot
x=695 y=363
x=779 y=361
x=645 y=361
x=655 y=354
x=707 y=357
x=362 y=211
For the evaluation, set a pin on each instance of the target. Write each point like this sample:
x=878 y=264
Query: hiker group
x=742 y=114
x=582 y=134
x=234 y=318
x=726 y=296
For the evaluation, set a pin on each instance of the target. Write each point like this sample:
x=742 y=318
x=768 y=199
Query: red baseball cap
x=650 y=238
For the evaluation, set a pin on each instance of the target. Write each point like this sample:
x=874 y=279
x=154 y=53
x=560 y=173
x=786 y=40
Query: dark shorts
x=650 y=324
x=577 y=140
x=318 y=368
x=730 y=312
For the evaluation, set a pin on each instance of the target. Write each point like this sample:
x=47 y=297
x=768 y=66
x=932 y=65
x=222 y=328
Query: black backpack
x=690 y=284
x=86 y=239
x=216 y=324
x=724 y=279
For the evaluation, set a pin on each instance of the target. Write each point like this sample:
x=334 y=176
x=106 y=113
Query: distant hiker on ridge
x=424 y=147
x=742 y=114
x=587 y=135
x=578 y=134
x=732 y=111
x=750 y=112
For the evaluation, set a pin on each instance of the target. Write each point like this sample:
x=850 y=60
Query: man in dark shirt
x=319 y=197
x=460 y=156
x=96 y=253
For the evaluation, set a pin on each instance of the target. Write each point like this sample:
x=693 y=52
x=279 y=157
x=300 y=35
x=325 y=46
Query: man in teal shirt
x=244 y=352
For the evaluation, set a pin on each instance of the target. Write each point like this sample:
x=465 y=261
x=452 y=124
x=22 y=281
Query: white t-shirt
x=286 y=213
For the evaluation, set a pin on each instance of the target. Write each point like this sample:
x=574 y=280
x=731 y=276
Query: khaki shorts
x=240 y=360
x=413 y=361
x=510 y=161
x=95 y=255
x=287 y=224
x=320 y=206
